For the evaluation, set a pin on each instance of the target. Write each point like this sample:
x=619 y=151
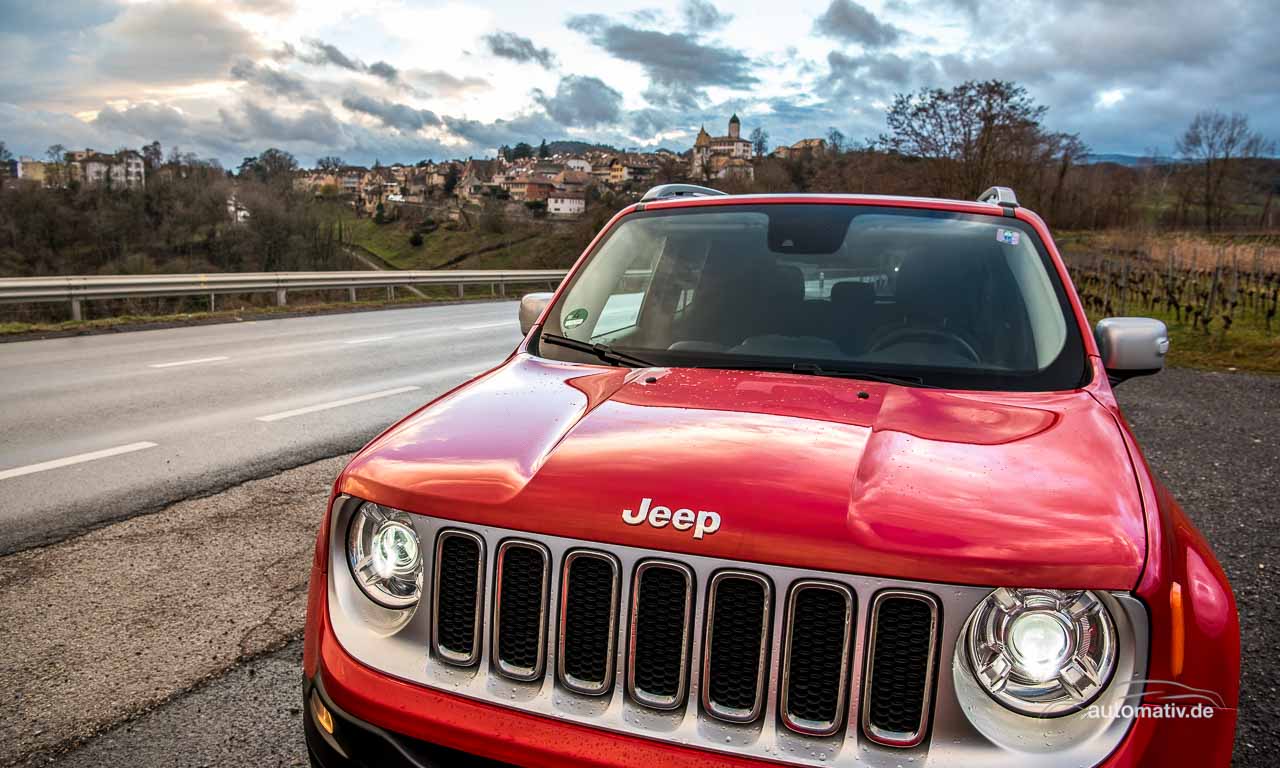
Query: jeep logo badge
x=703 y=523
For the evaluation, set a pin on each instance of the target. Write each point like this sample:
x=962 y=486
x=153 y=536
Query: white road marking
x=369 y=340
x=79 y=458
x=486 y=325
x=336 y=404
x=188 y=362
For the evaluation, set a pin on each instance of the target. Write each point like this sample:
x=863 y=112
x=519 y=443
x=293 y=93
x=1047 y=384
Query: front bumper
x=381 y=721
x=357 y=744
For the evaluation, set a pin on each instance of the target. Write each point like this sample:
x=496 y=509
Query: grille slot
x=458 y=597
x=661 y=616
x=898 y=684
x=736 y=649
x=520 y=609
x=815 y=663
x=588 y=621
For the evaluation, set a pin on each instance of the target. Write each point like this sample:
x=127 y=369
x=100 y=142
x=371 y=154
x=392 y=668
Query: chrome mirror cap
x=1131 y=346
x=531 y=306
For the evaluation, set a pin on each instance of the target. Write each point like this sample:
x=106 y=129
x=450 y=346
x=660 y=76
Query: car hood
x=814 y=472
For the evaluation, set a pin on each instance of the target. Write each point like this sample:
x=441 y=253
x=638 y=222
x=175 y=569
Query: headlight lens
x=1041 y=652
x=382 y=550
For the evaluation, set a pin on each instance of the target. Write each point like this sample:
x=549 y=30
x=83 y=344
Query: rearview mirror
x=1131 y=346
x=531 y=306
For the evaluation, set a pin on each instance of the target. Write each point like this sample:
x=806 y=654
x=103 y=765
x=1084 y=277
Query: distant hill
x=1129 y=161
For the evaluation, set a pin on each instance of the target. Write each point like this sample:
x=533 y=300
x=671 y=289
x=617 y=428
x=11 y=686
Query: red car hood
x=963 y=487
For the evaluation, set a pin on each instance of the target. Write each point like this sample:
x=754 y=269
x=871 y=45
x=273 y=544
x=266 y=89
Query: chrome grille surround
x=512 y=671
x=896 y=738
x=712 y=707
x=633 y=690
x=448 y=655
x=799 y=724
x=398 y=643
x=575 y=684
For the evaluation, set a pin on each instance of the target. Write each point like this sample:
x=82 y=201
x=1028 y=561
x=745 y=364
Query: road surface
x=96 y=428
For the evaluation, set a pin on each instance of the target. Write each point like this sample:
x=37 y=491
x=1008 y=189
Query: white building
x=566 y=204
x=578 y=164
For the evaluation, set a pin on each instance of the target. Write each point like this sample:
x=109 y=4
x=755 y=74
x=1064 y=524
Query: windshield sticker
x=574 y=319
x=1008 y=236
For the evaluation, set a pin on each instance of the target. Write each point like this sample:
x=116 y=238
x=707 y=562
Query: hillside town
x=554 y=184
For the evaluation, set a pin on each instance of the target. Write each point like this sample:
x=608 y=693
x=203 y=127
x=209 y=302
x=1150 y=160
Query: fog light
x=321 y=713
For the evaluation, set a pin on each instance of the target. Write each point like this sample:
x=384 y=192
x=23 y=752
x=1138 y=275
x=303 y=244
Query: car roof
x=819 y=198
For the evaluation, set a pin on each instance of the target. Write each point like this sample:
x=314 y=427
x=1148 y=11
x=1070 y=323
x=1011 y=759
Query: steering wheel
x=904 y=334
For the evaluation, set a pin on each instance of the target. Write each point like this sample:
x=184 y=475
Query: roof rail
x=668 y=191
x=999 y=196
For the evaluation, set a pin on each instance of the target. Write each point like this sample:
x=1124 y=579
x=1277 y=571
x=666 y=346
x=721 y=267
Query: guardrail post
x=351 y=294
x=282 y=297
x=212 y=303
x=460 y=290
x=502 y=288
x=493 y=289
x=391 y=293
x=76 y=313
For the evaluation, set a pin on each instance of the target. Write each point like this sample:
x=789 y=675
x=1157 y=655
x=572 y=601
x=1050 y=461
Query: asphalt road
x=97 y=428
x=1213 y=438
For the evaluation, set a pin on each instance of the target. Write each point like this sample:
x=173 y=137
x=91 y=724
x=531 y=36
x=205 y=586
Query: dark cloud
x=847 y=21
x=678 y=65
x=440 y=83
x=489 y=136
x=144 y=120
x=581 y=101
x=873 y=74
x=320 y=53
x=402 y=117
x=508 y=45
x=271 y=79
x=701 y=16
x=257 y=123
x=385 y=71
x=172 y=43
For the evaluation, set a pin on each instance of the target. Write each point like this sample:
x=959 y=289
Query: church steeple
x=735 y=127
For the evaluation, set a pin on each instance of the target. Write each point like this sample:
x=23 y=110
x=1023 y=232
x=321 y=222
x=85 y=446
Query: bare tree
x=835 y=141
x=760 y=141
x=55 y=170
x=1214 y=144
x=976 y=134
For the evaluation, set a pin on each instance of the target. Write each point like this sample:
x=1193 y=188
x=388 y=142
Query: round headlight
x=382 y=550
x=1041 y=652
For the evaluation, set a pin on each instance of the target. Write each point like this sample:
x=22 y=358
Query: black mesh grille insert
x=900 y=665
x=733 y=666
x=458 y=590
x=521 y=608
x=588 y=628
x=815 y=672
x=660 y=640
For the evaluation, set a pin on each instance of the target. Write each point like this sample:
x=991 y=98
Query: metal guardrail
x=78 y=289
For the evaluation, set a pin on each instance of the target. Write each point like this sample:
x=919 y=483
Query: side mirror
x=531 y=306
x=1131 y=346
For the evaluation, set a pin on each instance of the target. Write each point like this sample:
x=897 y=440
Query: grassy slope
x=538 y=247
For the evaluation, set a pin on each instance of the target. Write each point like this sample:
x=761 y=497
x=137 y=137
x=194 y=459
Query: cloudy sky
x=403 y=80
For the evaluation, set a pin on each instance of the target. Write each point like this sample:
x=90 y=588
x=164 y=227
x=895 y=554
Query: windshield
x=958 y=300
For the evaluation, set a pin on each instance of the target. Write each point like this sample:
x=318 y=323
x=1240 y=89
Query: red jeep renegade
x=809 y=480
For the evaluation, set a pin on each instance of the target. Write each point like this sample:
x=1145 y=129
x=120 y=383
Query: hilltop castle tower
x=715 y=157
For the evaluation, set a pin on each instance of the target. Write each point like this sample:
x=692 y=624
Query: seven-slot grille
x=816 y=649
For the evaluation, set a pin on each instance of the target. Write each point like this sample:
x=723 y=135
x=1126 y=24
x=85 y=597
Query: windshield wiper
x=602 y=351
x=816 y=370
